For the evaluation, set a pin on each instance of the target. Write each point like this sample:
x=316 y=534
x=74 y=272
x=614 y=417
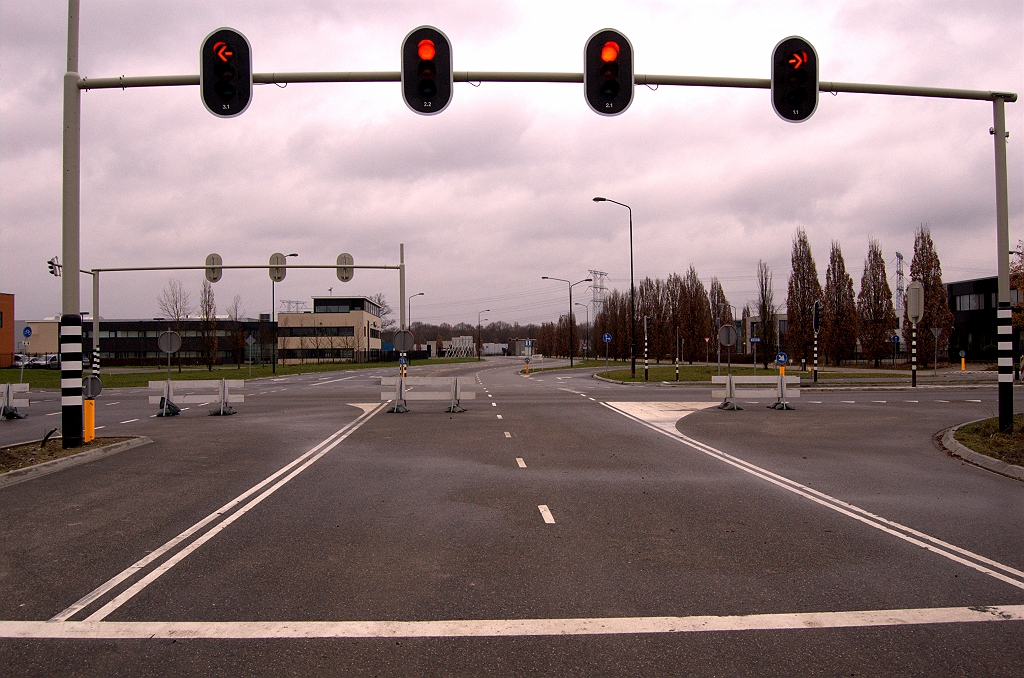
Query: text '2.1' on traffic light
x=427 y=78
x=608 y=72
x=794 y=79
x=225 y=73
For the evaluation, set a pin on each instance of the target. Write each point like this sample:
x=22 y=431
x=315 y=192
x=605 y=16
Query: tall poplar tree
x=804 y=290
x=839 y=324
x=874 y=307
x=768 y=328
x=926 y=269
x=697 y=315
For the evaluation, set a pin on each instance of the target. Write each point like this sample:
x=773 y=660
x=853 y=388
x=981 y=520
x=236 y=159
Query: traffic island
x=981 y=443
x=32 y=459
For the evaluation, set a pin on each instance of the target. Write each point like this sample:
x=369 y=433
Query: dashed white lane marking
x=816 y=402
x=202 y=404
x=223 y=514
x=489 y=395
x=52 y=414
x=153 y=415
x=499 y=416
x=494 y=404
x=591 y=398
x=97 y=428
x=129 y=421
x=848 y=402
x=878 y=401
x=908 y=534
x=476 y=628
x=973 y=401
x=546 y=513
x=117 y=403
x=910 y=401
x=507 y=434
x=520 y=462
x=942 y=401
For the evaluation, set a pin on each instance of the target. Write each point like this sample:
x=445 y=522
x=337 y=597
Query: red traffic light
x=425 y=50
x=223 y=51
x=610 y=51
x=798 y=59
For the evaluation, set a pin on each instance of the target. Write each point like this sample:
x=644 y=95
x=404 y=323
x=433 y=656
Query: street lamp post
x=586 y=307
x=569 y=319
x=273 y=323
x=480 y=334
x=632 y=290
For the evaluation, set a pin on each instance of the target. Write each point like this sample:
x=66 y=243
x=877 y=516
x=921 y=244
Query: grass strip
x=984 y=437
x=30 y=454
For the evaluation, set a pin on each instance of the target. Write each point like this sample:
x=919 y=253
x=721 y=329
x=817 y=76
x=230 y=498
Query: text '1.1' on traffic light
x=794 y=79
x=427 y=76
x=225 y=73
x=608 y=72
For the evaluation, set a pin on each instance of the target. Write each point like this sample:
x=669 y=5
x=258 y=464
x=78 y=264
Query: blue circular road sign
x=401 y=361
x=27 y=331
x=782 y=358
x=527 y=361
x=607 y=338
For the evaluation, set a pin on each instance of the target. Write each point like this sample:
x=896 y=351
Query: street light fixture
x=632 y=290
x=273 y=322
x=418 y=294
x=480 y=334
x=569 y=319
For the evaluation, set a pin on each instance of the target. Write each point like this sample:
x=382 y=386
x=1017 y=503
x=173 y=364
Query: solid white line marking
x=507 y=434
x=546 y=513
x=885 y=525
x=465 y=628
x=117 y=403
x=319 y=450
x=499 y=416
x=129 y=421
x=52 y=414
x=520 y=462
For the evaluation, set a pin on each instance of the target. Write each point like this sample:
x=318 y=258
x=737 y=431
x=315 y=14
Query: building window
x=970 y=302
x=1014 y=299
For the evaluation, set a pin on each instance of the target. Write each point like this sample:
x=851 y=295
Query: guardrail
x=453 y=391
x=10 y=402
x=783 y=389
x=221 y=394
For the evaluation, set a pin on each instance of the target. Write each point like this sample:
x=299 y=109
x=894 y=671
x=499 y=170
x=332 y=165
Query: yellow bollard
x=782 y=370
x=90 y=420
x=963 y=364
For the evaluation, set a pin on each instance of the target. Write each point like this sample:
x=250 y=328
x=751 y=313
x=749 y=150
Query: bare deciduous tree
x=175 y=304
x=208 y=324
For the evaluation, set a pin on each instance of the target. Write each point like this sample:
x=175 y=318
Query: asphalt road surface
x=560 y=526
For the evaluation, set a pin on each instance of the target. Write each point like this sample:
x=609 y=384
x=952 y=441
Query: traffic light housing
x=608 y=72
x=54 y=266
x=794 y=79
x=225 y=73
x=427 y=79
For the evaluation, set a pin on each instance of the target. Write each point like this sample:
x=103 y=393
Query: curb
x=47 y=467
x=955 y=449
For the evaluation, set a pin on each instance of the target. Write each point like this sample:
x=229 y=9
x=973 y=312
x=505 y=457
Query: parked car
x=36 y=362
x=20 y=360
x=53 y=361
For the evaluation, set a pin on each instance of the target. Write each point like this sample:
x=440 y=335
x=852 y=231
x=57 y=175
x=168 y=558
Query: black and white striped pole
x=915 y=311
x=1003 y=311
x=816 y=326
x=71 y=380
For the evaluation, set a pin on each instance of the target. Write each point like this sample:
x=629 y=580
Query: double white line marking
x=977 y=562
x=220 y=519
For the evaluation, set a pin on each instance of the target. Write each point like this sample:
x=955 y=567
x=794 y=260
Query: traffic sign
x=401 y=360
x=278 y=268
x=936 y=331
x=607 y=338
x=727 y=335
x=527 y=361
x=895 y=338
x=345 y=270
x=214 y=272
x=782 y=358
x=755 y=340
x=963 y=354
x=403 y=341
x=225 y=73
x=915 y=301
x=27 y=332
x=91 y=386
x=250 y=341
x=169 y=342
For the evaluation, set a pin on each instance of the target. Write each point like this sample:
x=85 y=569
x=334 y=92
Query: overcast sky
x=495 y=191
